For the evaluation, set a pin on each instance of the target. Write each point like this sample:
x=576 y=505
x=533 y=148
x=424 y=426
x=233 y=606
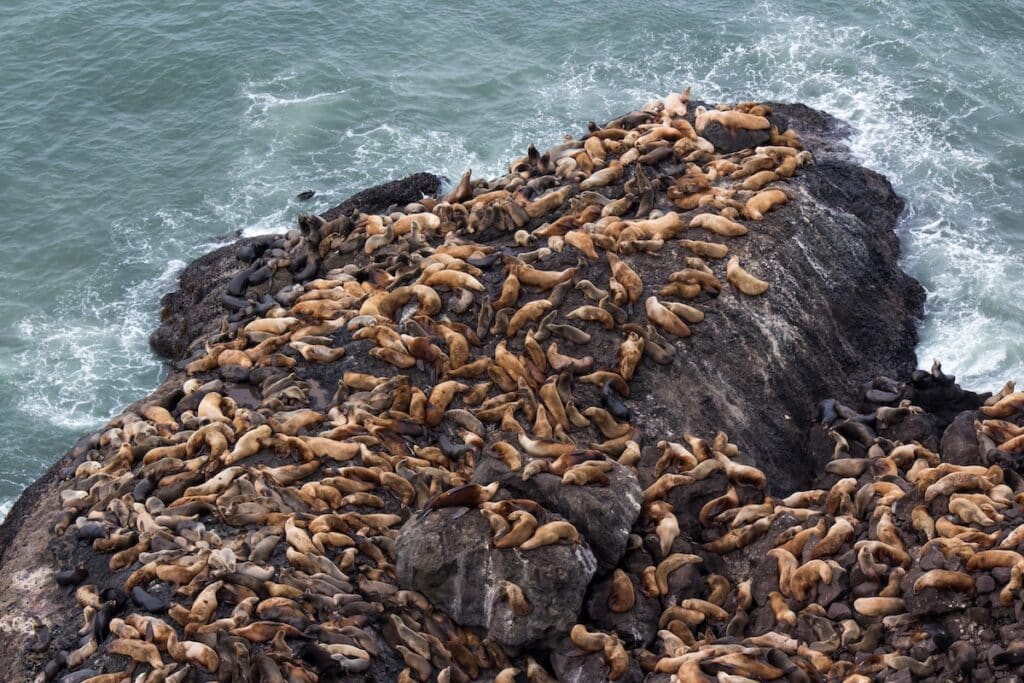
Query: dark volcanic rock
x=941 y=397
x=396 y=192
x=188 y=311
x=728 y=140
x=930 y=601
x=960 y=440
x=923 y=428
x=603 y=514
x=447 y=555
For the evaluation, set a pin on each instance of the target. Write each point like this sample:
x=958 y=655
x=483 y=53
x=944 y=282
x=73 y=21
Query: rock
x=960 y=441
x=603 y=514
x=828 y=324
x=814 y=306
x=411 y=188
x=637 y=627
x=985 y=583
x=687 y=500
x=572 y=665
x=931 y=601
x=879 y=397
x=829 y=592
x=838 y=611
x=728 y=140
x=658 y=678
x=820 y=448
x=447 y=555
x=899 y=676
x=942 y=399
x=924 y=429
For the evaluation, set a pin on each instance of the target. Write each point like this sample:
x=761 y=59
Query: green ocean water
x=135 y=136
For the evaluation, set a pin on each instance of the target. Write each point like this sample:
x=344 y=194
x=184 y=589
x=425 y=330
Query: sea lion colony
x=251 y=521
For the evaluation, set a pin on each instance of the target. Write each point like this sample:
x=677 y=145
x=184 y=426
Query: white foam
x=267 y=100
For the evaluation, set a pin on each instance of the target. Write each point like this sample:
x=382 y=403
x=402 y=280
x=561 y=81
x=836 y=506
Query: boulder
x=931 y=601
x=447 y=556
x=573 y=665
x=960 y=441
x=923 y=428
x=728 y=140
x=636 y=627
x=603 y=514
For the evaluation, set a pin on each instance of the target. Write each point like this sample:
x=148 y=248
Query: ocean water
x=135 y=136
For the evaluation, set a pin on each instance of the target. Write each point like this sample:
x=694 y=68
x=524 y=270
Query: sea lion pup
x=629 y=354
x=742 y=280
x=763 y=202
x=622 y=596
x=513 y=594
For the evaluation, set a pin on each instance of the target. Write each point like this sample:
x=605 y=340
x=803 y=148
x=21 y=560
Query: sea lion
x=550 y=533
x=622 y=596
x=664 y=318
x=764 y=201
x=467 y=495
x=705 y=249
x=730 y=119
x=720 y=225
x=516 y=599
x=523 y=526
x=744 y=281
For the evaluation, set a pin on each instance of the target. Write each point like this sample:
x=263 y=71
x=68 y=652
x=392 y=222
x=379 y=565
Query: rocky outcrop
x=839 y=313
x=446 y=555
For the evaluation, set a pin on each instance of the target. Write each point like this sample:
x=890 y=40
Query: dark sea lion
x=305 y=195
x=71 y=576
x=467 y=495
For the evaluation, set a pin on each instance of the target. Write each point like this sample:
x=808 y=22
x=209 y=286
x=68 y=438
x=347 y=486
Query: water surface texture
x=134 y=136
